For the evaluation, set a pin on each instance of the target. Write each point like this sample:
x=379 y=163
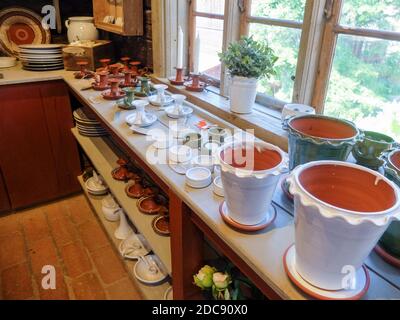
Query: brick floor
x=66 y=235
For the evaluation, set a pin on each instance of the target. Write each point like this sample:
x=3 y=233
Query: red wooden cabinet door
x=32 y=134
x=4 y=201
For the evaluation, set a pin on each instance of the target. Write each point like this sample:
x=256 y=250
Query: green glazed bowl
x=318 y=137
x=390 y=240
x=368 y=151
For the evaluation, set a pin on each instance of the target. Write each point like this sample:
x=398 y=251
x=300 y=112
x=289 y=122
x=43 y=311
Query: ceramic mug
x=217 y=134
x=367 y=152
x=193 y=140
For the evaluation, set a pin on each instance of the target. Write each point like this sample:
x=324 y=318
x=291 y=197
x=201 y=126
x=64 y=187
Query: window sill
x=266 y=122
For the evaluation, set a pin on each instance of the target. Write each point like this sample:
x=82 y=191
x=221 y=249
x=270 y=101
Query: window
x=207 y=32
x=279 y=23
x=364 y=83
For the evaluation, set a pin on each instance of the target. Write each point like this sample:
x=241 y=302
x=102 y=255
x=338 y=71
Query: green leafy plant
x=249 y=58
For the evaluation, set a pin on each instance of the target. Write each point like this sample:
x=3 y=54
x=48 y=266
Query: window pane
x=365 y=84
x=211 y=39
x=279 y=9
x=285 y=42
x=211 y=6
x=372 y=14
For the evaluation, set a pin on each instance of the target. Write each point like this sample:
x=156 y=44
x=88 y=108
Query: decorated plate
x=20 y=26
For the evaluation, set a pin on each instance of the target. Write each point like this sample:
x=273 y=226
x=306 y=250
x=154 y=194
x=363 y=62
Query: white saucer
x=150 y=119
x=134 y=247
x=186 y=111
x=155 y=102
x=142 y=273
x=362 y=281
x=180 y=168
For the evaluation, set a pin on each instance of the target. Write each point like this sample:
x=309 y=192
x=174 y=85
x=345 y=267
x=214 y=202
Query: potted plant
x=247 y=61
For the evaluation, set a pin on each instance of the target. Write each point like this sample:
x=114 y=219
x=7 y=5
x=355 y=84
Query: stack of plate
x=88 y=127
x=41 y=57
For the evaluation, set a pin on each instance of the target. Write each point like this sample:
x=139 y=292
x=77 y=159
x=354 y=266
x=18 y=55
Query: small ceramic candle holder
x=114 y=69
x=195 y=85
x=135 y=67
x=128 y=81
x=161 y=92
x=104 y=63
x=114 y=86
x=179 y=99
x=179 y=79
x=115 y=93
x=125 y=61
x=83 y=69
x=102 y=83
x=130 y=95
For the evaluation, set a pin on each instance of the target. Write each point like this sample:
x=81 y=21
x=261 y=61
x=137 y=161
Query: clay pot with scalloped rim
x=341 y=211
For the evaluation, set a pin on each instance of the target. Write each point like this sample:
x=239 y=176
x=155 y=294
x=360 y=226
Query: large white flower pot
x=250 y=184
x=81 y=28
x=243 y=94
x=341 y=211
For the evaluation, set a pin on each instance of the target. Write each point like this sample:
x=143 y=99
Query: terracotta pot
x=390 y=241
x=317 y=137
x=148 y=205
x=368 y=151
x=250 y=173
x=341 y=211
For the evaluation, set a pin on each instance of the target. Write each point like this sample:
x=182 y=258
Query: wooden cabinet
x=127 y=16
x=4 y=201
x=38 y=155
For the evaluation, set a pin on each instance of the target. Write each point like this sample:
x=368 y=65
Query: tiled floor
x=66 y=235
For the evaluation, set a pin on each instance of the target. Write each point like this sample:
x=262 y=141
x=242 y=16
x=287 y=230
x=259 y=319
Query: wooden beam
x=158 y=37
x=245 y=14
x=192 y=33
x=186 y=250
x=327 y=53
x=208 y=15
x=370 y=33
x=275 y=22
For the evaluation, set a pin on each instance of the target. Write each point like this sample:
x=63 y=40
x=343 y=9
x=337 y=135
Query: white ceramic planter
x=243 y=94
x=248 y=190
x=336 y=227
x=81 y=28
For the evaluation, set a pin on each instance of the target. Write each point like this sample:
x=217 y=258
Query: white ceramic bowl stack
x=341 y=211
x=7 y=62
x=43 y=57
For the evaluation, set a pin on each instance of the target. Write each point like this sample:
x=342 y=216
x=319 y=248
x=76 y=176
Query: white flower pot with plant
x=247 y=61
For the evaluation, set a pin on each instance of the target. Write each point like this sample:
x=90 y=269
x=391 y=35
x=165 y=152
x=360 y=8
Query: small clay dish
x=160 y=225
x=121 y=174
x=149 y=205
x=134 y=190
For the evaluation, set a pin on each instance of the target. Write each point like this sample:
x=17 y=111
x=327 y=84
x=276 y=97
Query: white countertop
x=262 y=251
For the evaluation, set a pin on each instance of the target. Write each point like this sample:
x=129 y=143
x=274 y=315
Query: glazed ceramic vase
x=341 y=211
x=81 y=28
x=367 y=152
x=317 y=137
x=250 y=173
x=390 y=241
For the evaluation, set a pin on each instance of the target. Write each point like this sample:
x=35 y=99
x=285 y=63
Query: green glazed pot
x=368 y=151
x=390 y=241
x=318 y=137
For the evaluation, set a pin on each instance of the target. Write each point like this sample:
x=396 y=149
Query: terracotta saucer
x=120 y=174
x=109 y=96
x=98 y=87
x=148 y=205
x=392 y=260
x=134 y=190
x=173 y=81
x=160 y=225
x=285 y=188
x=223 y=210
x=362 y=281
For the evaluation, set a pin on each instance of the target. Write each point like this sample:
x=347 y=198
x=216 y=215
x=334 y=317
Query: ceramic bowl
x=7 y=62
x=96 y=188
x=160 y=225
x=198 y=177
x=134 y=190
x=218 y=187
x=149 y=205
x=180 y=154
x=149 y=270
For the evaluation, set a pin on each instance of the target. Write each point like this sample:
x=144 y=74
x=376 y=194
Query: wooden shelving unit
x=104 y=159
x=148 y=292
x=130 y=11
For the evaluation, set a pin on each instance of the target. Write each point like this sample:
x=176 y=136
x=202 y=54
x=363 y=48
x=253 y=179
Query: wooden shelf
x=104 y=159
x=148 y=292
x=131 y=11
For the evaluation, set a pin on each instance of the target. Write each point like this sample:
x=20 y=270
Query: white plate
x=43 y=69
x=41 y=46
x=186 y=111
x=169 y=294
x=155 y=102
x=142 y=273
x=151 y=119
x=7 y=62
